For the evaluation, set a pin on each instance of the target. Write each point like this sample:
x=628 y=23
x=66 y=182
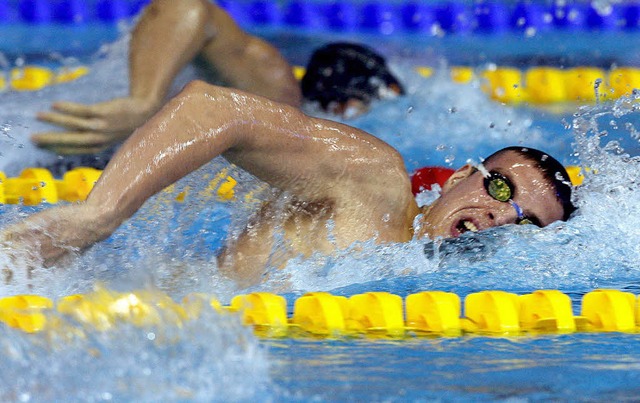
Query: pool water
x=595 y=367
x=168 y=246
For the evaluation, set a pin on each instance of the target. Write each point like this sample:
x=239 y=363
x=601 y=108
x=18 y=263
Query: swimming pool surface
x=168 y=246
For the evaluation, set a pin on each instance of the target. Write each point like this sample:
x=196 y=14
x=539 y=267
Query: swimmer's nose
x=502 y=213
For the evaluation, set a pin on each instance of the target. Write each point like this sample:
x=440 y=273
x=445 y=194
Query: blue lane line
x=380 y=16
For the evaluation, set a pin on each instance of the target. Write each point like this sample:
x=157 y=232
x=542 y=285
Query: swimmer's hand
x=49 y=235
x=92 y=128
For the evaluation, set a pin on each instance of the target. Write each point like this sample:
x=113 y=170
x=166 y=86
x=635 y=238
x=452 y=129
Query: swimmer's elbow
x=197 y=93
x=196 y=88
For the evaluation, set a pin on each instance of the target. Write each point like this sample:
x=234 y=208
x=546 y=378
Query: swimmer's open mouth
x=465 y=225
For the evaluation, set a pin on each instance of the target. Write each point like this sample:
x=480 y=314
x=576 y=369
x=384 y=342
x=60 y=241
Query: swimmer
x=342 y=78
x=325 y=173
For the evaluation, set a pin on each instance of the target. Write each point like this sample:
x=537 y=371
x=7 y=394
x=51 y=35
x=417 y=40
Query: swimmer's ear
x=457 y=176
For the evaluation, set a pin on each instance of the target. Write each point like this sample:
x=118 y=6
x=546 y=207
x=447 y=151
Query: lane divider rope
x=538 y=85
x=371 y=16
x=427 y=313
x=35 y=186
x=33 y=78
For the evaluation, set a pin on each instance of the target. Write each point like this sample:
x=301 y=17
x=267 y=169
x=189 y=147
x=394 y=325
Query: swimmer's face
x=466 y=205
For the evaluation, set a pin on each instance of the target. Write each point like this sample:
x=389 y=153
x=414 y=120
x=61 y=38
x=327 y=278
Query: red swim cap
x=423 y=178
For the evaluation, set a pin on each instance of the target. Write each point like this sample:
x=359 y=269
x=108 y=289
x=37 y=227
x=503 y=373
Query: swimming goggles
x=501 y=189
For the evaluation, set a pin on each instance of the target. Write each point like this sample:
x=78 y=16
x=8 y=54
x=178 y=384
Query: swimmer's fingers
x=73 y=142
x=120 y=116
x=72 y=122
x=76 y=109
x=76 y=151
x=72 y=139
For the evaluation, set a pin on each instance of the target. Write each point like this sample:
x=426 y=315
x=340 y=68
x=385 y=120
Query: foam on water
x=213 y=358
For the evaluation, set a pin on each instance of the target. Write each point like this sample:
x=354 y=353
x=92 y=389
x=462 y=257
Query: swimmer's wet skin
x=330 y=171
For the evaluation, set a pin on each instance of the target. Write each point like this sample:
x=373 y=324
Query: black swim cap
x=341 y=71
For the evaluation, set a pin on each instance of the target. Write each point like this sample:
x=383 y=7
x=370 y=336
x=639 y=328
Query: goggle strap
x=517 y=208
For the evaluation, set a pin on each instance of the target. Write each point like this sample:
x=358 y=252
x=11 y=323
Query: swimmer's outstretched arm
x=168 y=36
x=315 y=159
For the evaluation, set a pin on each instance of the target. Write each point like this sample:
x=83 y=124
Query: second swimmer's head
x=344 y=78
